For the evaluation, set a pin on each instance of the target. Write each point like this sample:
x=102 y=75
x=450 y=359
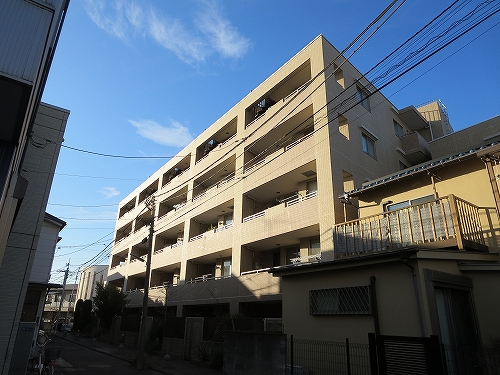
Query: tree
x=108 y=302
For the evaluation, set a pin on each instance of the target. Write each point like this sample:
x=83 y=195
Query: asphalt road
x=76 y=359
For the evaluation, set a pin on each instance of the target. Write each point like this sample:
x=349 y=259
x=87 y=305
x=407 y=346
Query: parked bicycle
x=44 y=355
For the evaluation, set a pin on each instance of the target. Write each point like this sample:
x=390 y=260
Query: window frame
x=366 y=141
x=363 y=97
x=343 y=302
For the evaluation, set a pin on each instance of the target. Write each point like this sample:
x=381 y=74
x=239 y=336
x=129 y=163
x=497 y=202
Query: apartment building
x=257 y=189
x=88 y=278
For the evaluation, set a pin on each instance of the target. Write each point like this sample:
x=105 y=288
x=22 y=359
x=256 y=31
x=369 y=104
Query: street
x=78 y=359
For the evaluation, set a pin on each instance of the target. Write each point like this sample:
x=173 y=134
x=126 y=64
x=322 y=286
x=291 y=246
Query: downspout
x=404 y=258
x=373 y=297
x=488 y=162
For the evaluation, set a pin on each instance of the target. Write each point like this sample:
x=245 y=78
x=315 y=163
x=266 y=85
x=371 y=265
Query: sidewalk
x=154 y=362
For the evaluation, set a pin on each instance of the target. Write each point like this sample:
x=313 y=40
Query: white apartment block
x=257 y=189
x=88 y=278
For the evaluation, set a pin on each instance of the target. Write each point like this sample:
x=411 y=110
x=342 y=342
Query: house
x=422 y=259
x=24 y=261
x=257 y=189
x=60 y=303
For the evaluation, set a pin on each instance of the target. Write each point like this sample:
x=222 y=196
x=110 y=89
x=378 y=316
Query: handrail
x=224 y=227
x=427 y=223
x=255 y=271
x=253 y=121
x=299 y=199
x=167 y=247
x=198 y=237
x=254 y=216
x=245 y=170
x=301 y=139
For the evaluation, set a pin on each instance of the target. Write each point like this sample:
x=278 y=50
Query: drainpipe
x=404 y=258
x=488 y=162
x=373 y=295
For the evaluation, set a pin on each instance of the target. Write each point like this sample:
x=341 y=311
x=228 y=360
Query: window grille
x=338 y=301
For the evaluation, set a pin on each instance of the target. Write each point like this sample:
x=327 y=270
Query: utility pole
x=66 y=272
x=150 y=203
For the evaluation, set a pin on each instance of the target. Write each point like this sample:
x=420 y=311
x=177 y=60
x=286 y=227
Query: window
x=398 y=129
x=343 y=126
x=362 y=96
x=228 y=219
x=368 y=145
x=314 y=246
x=338 y=301
x=409 y=202
x=312 y=186
x=226 y=267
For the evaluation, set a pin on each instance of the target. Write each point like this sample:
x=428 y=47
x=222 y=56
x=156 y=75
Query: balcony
x=253 y=286
x=448 y=222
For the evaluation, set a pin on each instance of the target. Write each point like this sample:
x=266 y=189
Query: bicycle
x=43 y=358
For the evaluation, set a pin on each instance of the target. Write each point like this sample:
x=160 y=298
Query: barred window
x=338 y=301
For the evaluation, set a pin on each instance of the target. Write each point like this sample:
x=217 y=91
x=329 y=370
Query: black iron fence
x=312 y=357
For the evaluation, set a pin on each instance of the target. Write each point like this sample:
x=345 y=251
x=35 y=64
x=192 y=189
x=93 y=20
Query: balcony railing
x=442 y=223
x=167 y=247
x=254 y=216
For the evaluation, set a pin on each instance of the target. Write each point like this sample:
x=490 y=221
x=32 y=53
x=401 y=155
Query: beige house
x=421 y=260
x=257 y=189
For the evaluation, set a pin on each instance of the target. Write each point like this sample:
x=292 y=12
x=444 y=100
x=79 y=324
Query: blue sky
x=145 y=77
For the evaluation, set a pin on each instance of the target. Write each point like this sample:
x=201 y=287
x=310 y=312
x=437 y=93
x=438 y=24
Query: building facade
x=257 y=188
x=29 y=32
x=38 y=167
x=88 y=279
x=421 y=260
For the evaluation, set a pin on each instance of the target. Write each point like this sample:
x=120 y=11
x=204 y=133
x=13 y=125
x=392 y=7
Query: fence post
x=291 y=354
x=373 y=354
x=348 y=356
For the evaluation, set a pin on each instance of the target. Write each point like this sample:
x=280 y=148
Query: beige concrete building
x=257 y=189
x=88 y=278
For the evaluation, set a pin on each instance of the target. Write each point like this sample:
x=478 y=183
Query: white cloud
x=109 y=192
x=212 y=32
x=223 y=36
x=177 y=135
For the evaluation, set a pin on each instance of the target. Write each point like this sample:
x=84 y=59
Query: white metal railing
x=225 y=181
x=306 y=259
x=299 y=199
x=167 y=247
x=254 y=216
x=173 y=178
x=195 y=238
x=205 y=278
x=253 y=122
x=204 y=157
x=255 y=271
x=227 y=140
x=200 y=195
x=179 y=206
x=254 y=165
x=227 y=226
x=293 y=144
x=297 y=90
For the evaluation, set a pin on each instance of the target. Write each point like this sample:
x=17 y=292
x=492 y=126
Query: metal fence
x=312 y=357
x=466 y=359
